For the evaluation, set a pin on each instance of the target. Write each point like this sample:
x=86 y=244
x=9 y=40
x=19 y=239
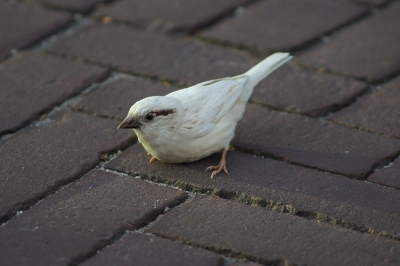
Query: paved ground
x=314 y=164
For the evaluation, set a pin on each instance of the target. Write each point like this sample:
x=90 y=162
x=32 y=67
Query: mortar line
x=270 y=205
x=151 y=217
x=142 y=229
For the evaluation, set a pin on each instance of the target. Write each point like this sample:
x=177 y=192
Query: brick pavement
x=314 y=167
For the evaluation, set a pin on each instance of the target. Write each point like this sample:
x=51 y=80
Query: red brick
x=82 y=6
x=271 y=237
x=115 y=98
x=388 y=176
x=277 y=185
x=22 y=25
x=369 y=49
x=81 y=218
x=33 y=83
x=147 y=250
x=38 y=159
x=378 y=111
x=301 y=90
x=153 y=54
x=312 y=142
x=284 y=25
x=180 y=15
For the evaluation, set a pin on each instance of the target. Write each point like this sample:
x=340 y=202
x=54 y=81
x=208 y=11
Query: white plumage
x=193 y=123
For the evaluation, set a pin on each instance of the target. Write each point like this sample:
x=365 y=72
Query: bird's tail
x=266 y=67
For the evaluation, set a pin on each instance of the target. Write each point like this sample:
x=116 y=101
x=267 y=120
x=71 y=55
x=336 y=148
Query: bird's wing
x=204 y=104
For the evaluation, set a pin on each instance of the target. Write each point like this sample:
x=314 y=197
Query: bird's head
x=153 y=114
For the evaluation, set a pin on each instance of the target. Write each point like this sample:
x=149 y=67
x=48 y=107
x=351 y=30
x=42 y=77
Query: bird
x=192 y=123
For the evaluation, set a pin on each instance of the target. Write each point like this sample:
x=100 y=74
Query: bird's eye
x=149 y=117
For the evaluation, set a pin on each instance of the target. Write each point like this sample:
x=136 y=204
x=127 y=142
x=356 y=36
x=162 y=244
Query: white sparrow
x=193 y=123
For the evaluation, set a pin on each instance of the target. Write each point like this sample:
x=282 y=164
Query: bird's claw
x=218 y=168
x=153 y=159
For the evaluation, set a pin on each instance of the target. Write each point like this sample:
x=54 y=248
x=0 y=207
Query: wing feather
x=206 y=103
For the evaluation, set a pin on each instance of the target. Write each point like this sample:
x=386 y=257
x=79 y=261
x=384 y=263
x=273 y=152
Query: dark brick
x=369 y=49
x=33 y=83
x=115 y=98
x=284 y=25
x=278 y=185
x=82 y=6
x=180 y=15
x=377 y=112
x=22 y=25
x=311 y=142
x=82 y=217
x=388 y=176
x=154 y=54
x=373 y=2
x=300 y=90
x=40 y=158
x=271 y=237
x=244 y=264
x=148 y=250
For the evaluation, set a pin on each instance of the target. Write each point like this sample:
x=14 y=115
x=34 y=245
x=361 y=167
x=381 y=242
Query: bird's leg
x=221 y=166
x=153 y=159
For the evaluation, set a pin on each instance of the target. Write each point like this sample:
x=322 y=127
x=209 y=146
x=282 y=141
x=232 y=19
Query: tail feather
x=266 y=67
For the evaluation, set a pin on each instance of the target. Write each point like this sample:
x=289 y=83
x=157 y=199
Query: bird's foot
x=221 y=166
x=153 y=159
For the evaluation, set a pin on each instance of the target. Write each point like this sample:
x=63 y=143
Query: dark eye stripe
x=163 y=112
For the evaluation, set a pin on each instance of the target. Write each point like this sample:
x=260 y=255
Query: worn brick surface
x=277 y=25
x=377 y=112
x=154 y=54
x=388 y=176
x=39 y=158
x=374 y=53
x=244 y=264
x=179 y=15
x=278 y=184
x=148 y=250
x=22 y=25
x=81 y=217
x=272 y=237
x=311 y=142
x=76 y=5
x=33 y=83
x=374 y=2
x=115 y=98
x=300 y=90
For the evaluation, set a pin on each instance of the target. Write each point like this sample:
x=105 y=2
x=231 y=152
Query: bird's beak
x=129 y=122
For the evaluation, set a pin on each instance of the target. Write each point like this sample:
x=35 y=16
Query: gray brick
x=277 y=25
x=38 y=159
x=300 y=90
x=180 y=15
x=378 y=111
x=154 y=54
x=278 y=185
x=369 y=49
x=146 y=250
x=388 y=176
x=22 y=25
x=272 y=237
x=82 y=217
x=312 y=142
x=33 y=83
x=82 y=6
